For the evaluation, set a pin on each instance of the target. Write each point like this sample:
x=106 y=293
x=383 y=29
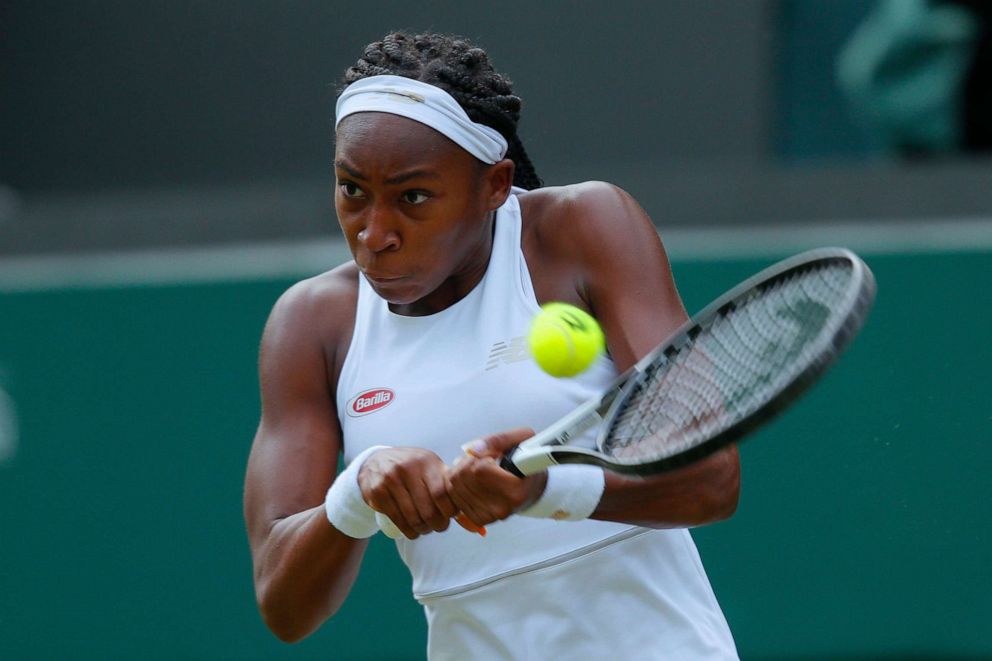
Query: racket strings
x=732 y=367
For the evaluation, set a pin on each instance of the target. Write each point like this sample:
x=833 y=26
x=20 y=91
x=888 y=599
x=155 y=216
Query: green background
x=862 y=530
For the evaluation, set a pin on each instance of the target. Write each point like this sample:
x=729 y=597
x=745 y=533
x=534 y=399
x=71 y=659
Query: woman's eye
x=350 y=190
x=415 y=197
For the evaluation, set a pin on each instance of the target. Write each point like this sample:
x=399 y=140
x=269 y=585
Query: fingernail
x=474 y=448
x=468 y=525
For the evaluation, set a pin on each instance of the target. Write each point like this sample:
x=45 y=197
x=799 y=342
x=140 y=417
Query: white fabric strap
x=426 y=104
x=572 y=493
x=346 y=509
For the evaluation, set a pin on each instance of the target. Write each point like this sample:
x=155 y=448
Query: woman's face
x=415 y=209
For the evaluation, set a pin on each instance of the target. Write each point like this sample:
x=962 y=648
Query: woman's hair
x=461 y=70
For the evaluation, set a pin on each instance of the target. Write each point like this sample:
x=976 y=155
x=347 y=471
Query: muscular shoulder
x=317 y=312
x=589 y=216
x=315 y=295
x=592 y=245
x=571 y=229
x=579 y=194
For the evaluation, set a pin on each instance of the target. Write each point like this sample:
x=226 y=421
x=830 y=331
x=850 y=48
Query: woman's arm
x=593 y=246
x=303 y=567
x=628 y=285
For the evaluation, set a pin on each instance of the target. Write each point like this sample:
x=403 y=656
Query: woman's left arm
x=628 y=285
x=596 y=247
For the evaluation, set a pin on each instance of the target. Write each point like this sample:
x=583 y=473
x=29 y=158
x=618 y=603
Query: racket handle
x=507 y=464
x=390 y=530
x=528 y=460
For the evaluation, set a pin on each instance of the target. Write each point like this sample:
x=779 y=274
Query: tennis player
x=414 y=353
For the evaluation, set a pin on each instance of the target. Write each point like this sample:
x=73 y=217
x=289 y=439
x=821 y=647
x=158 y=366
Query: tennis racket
x=731 y=368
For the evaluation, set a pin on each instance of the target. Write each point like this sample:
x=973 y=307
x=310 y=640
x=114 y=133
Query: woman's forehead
x=378 y=131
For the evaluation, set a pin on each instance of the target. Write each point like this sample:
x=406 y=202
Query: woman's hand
x=411 y=487
x=482 y=490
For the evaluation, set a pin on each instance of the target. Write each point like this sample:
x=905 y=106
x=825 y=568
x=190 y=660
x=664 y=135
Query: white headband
x=426 y=104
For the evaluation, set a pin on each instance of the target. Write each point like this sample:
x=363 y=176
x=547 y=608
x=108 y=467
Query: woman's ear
x=498 y=179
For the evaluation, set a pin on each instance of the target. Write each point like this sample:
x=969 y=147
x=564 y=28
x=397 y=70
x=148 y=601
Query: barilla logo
x=370 y=401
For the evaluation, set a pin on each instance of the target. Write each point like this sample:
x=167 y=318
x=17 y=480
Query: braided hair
x=461 y=70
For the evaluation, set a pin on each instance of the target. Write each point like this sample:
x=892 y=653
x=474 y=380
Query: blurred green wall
x=862 y=529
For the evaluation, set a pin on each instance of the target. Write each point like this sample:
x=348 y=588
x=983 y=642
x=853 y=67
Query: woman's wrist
x=571 y=493
x=344 y=505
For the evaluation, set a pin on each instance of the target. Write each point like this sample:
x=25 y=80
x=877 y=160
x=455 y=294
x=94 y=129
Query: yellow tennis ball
x=564 y=339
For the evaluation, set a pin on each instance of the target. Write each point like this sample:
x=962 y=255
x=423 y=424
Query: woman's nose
x=379 y=233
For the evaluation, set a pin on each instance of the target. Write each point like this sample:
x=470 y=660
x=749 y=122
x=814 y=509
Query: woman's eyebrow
x=395 y=179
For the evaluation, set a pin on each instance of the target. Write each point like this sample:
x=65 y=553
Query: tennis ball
x=564 y=340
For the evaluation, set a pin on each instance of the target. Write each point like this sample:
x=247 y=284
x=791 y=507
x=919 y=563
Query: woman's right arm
x=303 y=566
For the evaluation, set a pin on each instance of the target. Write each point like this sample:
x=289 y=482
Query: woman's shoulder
x=572 y=198
x=315 y=312
x=579 y=214
x=330 y=289
x=322 y=305
x=573 y=235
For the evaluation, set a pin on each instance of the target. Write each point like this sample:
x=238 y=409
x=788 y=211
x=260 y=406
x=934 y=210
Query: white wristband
x=572 y=493
x=344 y=505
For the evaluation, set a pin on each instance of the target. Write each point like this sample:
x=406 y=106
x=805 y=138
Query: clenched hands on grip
x=421 y=494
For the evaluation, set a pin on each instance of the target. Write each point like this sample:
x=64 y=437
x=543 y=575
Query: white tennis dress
x=532 y=588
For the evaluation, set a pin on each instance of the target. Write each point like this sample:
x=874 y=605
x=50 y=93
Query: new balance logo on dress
x=504 y=353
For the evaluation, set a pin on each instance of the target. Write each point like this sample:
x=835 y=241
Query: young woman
x=402 y=357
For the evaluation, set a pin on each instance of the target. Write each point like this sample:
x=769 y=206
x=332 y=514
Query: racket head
x=737 y=363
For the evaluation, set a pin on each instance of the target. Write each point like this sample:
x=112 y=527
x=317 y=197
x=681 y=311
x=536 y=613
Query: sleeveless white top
x=441 y=380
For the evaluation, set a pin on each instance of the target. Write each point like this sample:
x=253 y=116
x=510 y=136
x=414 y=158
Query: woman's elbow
x=727 y=505
x=730 y=487
x=724 y=487
x=282 y=624
x=288 y=623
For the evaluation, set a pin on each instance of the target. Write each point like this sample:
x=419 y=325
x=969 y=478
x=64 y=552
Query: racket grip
x=507 y=464
x=390 y=530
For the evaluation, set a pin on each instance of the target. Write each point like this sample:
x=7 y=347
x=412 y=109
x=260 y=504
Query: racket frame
x=547 y=448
